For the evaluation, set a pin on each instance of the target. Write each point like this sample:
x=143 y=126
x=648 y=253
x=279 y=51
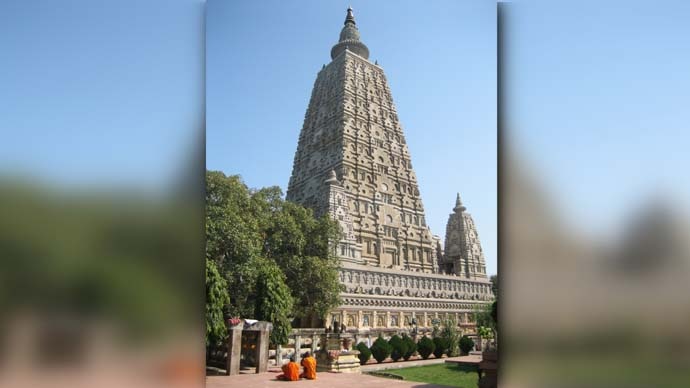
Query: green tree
x=483 y=317
x=300 y=245
x=233 y=238
x=216 y=299
x=273 y=302
x=252 y=236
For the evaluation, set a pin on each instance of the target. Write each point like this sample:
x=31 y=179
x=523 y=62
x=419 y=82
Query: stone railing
x=311 y=340
x=300 y=341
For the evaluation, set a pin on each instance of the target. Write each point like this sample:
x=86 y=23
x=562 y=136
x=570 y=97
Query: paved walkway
x=323 y=379
x=334 y=380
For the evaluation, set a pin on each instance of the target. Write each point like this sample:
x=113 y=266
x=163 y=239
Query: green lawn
x=443 y=374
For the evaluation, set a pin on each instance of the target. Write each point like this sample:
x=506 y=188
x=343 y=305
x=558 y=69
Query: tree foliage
x=485 y=332
x=273 y=302
x=451 y=335
x=494 y=285
x=483 y=317
x=274 y=255
x=216 y=299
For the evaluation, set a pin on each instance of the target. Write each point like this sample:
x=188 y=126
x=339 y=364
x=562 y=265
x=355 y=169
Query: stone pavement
x=323 y=379
x=334 y=380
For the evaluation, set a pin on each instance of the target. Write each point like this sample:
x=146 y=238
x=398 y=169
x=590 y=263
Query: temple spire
x=349 y=39
x=350 y=17
x=458 y=204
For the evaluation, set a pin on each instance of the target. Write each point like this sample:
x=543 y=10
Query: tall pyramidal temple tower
x=352 y=162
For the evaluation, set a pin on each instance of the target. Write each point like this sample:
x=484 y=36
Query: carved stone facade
x=351 y=127
x=463 y=254
x=352 y=162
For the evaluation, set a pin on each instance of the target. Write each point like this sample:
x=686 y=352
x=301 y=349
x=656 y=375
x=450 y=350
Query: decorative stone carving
x=353 y=164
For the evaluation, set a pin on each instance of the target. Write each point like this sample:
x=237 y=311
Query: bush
x=398 y=347
x=466 y=345
x=380 y=349
x=440 y=346
x=425 y=347
x=411 y=346
x=364 y=353
x=451 y=335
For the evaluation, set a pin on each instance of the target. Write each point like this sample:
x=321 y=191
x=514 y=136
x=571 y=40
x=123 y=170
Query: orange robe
x=290 y=372
x=309 y=365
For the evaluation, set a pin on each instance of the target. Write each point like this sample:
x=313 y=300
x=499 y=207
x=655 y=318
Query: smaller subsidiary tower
x=463 y=255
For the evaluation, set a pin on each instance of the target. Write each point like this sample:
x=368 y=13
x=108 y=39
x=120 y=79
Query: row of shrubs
x=405 y=347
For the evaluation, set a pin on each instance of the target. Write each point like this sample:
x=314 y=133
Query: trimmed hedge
x=380 y=349
x=398 y=347
x=466 y=345
x=440 y=346
x=411 y=346
x=425 y=347
x=364 y=353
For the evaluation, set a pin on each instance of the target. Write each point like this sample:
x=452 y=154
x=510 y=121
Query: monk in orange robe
x=290 y=371
x=309 y=364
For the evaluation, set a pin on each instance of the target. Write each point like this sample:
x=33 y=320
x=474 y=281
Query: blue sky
x=113 y=92
x=100 y=92
x=262 y=61
x=598 y=98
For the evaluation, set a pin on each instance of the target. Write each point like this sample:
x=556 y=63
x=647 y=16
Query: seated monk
x=309 y=364
x=290 y=371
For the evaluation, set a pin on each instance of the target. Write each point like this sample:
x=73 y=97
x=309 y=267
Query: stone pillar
x=373 y=324
x=279 y=355
x=388 y=319
x=234 y=350
x=262 y=351
x=425 y=320
x=298 y=348
x=488 y=365
x=314 y=341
